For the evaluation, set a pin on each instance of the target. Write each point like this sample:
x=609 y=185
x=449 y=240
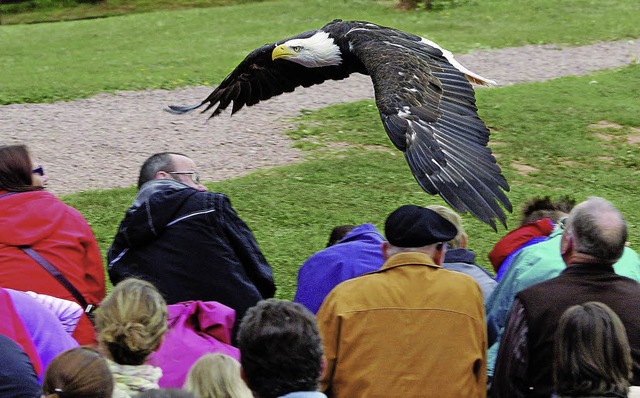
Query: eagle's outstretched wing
x=258 y=78
x=426 y=103
x=428 y=109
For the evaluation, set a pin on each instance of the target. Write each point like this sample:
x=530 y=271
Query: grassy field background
x=576 y=136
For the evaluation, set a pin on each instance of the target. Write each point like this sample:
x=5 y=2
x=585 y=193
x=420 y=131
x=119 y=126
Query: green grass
x=352 y=174
x=38 y=11
x=167 y=49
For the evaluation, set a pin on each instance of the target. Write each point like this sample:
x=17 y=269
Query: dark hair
x=158 y=162
x=338 y=233
x=280 y=348
x=15 y=169
x=592 y=353
x=78 y=373
x=599 y=229
x=538 y=208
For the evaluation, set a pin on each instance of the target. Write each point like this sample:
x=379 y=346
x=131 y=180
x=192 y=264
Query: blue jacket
x=357 y=253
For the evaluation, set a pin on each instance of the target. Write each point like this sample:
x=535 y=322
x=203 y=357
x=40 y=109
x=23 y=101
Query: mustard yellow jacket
x=410 y=329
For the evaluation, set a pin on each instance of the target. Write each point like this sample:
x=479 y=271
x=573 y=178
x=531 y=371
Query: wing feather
x=429 y=111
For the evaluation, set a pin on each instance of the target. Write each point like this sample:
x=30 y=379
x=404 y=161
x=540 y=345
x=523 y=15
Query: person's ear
x=162 y=175
x=463 y=240
x=566 y=244
x=438 y=254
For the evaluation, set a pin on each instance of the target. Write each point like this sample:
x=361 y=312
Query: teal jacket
x=535 y=264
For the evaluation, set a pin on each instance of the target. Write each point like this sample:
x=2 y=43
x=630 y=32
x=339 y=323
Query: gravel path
x=100 y=142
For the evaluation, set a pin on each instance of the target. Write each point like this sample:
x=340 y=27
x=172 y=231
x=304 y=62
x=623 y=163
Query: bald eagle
x=424 y=97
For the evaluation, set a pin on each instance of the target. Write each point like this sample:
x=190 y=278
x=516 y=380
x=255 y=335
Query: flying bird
x=424 y=96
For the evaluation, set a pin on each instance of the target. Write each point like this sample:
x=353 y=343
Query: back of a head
x=338 y=233
x=599 y=228
x=78 y=373
x=216 y=376
x=455 y=219
x=592 y=354
x=15 y=169
x=158 y=162
x=280 y=348
x=131 y=321
x=538 y=208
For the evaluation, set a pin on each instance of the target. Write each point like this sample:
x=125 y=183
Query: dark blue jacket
x=192 y=246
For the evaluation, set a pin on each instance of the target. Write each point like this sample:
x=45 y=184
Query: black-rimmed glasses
x=195 y=177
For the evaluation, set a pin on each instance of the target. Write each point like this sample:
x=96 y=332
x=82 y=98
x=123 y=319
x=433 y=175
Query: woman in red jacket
x=31 y=217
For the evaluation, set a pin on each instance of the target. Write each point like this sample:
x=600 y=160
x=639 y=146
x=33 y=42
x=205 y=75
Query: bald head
x=599 y=229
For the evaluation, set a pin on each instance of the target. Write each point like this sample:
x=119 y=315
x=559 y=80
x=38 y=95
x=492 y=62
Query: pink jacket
x=195 y=328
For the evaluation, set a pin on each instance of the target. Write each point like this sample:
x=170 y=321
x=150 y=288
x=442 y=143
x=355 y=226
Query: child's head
x=79 y=372
x=217 y=376
x=132 y=321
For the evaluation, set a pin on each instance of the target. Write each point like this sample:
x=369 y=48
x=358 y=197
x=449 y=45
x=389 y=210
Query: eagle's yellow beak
x=282 y=51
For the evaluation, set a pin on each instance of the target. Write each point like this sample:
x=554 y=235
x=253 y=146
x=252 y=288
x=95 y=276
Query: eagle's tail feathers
x=181 y=110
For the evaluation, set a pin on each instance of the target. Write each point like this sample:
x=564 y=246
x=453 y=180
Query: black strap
x=56 y=274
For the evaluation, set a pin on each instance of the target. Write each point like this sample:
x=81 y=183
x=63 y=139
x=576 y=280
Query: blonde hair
x=132 y=321
x=455 y=219
x=217 y=376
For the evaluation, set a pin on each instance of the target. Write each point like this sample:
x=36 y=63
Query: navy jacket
x=192 y=246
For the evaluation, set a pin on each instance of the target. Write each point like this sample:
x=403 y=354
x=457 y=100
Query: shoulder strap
x=56 y=274
x=8 y=194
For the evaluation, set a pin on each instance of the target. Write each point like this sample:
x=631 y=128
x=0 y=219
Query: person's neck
x=581 y=258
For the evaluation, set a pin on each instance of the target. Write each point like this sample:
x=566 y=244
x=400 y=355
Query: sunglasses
x=195 y=177
x=38 y=170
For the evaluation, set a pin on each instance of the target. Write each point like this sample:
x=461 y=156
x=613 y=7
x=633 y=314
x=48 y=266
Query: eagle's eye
x=297 y=48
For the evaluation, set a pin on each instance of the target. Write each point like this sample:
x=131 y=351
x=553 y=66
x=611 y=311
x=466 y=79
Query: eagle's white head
x=313 y=52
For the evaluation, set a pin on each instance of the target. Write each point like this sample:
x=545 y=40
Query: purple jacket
x=357 y=253
x=195 y=328
x=48 y=335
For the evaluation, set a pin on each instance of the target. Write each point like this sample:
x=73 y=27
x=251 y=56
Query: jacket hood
x=157 y=204
x=29 y=217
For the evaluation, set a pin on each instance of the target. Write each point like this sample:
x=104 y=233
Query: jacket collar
x=153 y=186
x=361 y=230
x=589 y=268
x=460 y=256
x=408 y=258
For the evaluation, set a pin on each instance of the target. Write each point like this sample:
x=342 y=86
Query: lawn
x=576 y=136
x=167 y=49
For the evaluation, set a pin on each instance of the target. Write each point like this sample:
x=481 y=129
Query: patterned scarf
x=133 y=379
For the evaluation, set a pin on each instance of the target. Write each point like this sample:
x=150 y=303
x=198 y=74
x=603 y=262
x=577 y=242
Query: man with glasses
x=411 y=328
x=188 y=242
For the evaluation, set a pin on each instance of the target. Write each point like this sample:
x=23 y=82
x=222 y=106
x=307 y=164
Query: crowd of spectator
x=406 y=312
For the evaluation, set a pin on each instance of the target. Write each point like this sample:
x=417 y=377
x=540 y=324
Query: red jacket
x=61 y=235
